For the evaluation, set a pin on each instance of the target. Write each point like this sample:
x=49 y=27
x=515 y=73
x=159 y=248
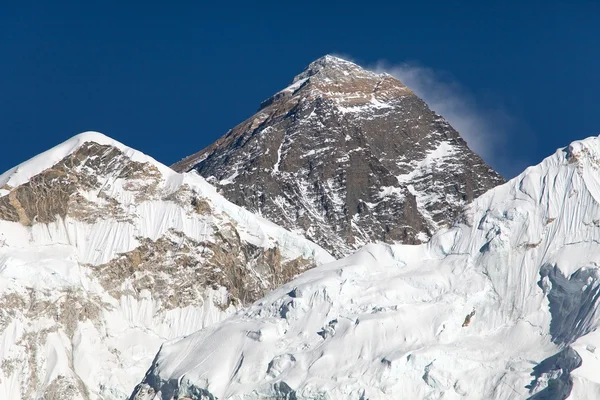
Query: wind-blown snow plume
x=484 y=129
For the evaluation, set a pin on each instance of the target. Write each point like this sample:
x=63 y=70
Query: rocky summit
x=346 y=156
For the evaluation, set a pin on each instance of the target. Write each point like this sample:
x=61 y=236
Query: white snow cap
x=331 y=64
x=23 y=172
x=332 y=61
x=589 y=146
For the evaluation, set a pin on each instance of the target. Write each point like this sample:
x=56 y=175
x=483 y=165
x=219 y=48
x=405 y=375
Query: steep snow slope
x=105 y=253
x=501 y=305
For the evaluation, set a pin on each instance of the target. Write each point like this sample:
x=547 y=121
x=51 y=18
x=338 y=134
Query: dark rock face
x=346 y=156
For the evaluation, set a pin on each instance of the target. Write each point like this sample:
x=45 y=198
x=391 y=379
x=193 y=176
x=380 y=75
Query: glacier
x=500 y=305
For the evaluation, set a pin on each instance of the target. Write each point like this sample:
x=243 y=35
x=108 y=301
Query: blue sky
x=520 y=78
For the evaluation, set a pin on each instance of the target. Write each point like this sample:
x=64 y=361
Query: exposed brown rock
x=178 y=270
x=468 y=318
x=201 y=206
x=61 y=388
x=56 y=192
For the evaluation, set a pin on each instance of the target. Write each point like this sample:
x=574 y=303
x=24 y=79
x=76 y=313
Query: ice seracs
x=500 y=305
x=106 y=253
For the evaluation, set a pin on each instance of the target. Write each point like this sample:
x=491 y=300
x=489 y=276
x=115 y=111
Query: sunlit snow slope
x=501 y=305
x=106 y=253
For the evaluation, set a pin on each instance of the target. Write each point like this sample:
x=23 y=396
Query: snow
x=419 y=169
x=230 y=179
x=386 y=191
x=47 y=261
x=295 y=86
x=369 y=106
x=466 y=315
x=23 y=172
x=276 y=166
x=444 y=149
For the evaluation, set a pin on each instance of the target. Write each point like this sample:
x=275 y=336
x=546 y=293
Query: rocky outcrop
x=57 y=192
x=346 y=156
x=179 y=270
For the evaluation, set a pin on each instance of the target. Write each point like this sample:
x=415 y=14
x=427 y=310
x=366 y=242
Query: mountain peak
x=24 y=171
x=589 y=147
x=347 y=156
x=329 y=61
x=332 y=67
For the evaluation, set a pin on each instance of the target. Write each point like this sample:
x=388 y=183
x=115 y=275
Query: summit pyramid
x=346 y=156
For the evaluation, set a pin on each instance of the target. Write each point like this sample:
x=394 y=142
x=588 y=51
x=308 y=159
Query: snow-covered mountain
x=346 y=157
x=106 y=253
x=502 y=304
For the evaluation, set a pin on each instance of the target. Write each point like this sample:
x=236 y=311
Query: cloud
x=485 y=129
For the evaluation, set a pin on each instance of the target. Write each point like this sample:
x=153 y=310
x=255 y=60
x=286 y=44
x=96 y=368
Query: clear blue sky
x=170 y=79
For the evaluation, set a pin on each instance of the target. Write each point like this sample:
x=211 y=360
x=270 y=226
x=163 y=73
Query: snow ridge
x=23 y=172
x=511 y=284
